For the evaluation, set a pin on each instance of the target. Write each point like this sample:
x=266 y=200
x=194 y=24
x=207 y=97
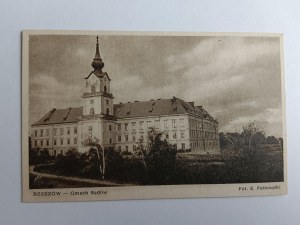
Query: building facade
x=122 y=126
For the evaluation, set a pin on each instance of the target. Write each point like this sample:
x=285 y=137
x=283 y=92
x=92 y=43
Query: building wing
x=56 y=116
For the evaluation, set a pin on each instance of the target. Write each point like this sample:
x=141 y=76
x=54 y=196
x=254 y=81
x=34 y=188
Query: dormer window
x=104 y=89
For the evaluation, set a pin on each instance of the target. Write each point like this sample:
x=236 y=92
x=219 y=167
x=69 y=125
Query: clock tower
x=97 y=98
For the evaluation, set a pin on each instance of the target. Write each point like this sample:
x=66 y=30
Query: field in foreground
x=188 y=169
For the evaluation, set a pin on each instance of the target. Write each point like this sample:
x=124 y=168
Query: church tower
x=97 y=98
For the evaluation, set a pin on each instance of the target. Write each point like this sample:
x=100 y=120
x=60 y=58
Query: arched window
x=92 y=111
x=107 y=111
x=104 y=89
x=93 y=88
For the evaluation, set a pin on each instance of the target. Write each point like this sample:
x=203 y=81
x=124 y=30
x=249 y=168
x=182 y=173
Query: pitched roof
x=157 y=107
x=55 y=116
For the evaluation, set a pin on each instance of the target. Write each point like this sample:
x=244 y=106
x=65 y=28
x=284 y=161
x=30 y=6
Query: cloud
x=46 y=92
x=237 y=79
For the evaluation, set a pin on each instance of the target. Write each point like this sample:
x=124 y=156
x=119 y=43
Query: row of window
x=46 y=142
x=149 y=124
x=196 y=124
x=209 y=126
x=92 y=111
x=92 y=101
x=199 y=134
x=93 y=88
x=46 y=132
x=141 y=135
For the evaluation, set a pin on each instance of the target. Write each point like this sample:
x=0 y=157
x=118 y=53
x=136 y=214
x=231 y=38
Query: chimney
x=200 y=107
x=192 y=104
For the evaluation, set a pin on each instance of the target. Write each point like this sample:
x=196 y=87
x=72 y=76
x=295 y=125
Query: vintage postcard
x=144 y=115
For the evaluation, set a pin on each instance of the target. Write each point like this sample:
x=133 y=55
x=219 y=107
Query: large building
x=122 y=126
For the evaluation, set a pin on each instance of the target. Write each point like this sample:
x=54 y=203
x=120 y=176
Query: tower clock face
x=94 y=80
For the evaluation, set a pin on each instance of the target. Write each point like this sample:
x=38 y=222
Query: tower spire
x=97 y=63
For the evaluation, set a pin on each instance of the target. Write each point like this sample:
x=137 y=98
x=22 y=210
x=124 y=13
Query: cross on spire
x=97 y=63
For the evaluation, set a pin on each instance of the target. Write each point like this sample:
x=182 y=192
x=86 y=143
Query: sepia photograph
x=142 y=115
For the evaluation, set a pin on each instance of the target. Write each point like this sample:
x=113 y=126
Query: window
x=183 y=146
x=107 y=102
x=119 y=148
x=142 y=137
x=110 y=141
x=42 y=143
x=175 y=135
x=92 y=101
x=166 y=123
x=93 y=88
x=92 y=112
x=54 y=141
x=167 y=135
x=119 y=126
x=109 y=127
x=141 y=125
x=47 y=132
x=47 y=142
x=54 y=152
x=133 y=137
x=157 y=123
x=148 y=124
x=107 y=111
x=181 y=122
x=126 y=126
x=55 y=131
x=174 y=123
x=68 y=130
x=126 y=147
x=126 y=137
x=134 y=148
x=35 y=143
x=61 y=131
x=182 y=135
x=75 y=141
x=75 y=130
x=119 y=138
x=133 y=125
x=61 y=141
x=105 y=89
x=61 y=152
x=42 y=132
x=68 y=141
x=35 y=133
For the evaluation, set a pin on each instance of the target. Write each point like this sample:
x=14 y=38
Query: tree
x=251 y=163
x=97 y=154
x=158 y=157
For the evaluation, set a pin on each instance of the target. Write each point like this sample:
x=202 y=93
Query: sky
x=236 y=79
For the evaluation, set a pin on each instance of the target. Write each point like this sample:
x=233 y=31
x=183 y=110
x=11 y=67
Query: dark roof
x=55 y=116
x=99 y=74
x=159 y=107
x=131 y=109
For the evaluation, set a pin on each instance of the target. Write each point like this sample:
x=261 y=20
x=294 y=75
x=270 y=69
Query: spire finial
x=97 y=63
